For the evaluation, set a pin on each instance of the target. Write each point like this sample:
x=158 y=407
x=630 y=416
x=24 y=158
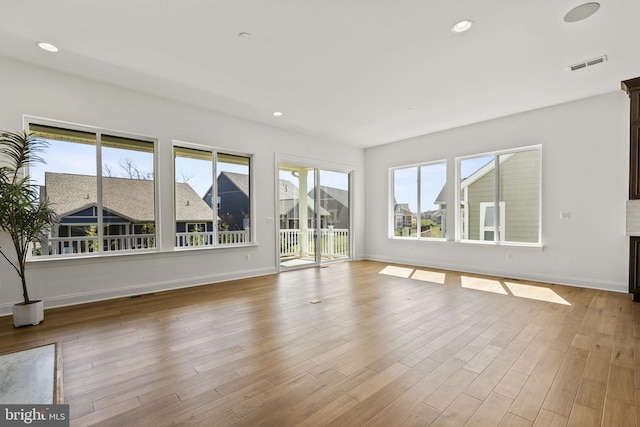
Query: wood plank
x=512 y=420
x=377 y=382
x=618 y=413
x=511 y=384
x=549 y=419
x=591 y=394
x=564 y=388
x=533 y=393
x=583 y=416
x=459 y=412
x=449 y=391
x=490 y=412
x=620 y=385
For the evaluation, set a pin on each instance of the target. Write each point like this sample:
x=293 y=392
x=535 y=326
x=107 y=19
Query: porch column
x=303 y=217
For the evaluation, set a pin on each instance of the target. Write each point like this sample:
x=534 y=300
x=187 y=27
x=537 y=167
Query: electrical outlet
x=247 y=257
x=565 y=215
x=509 y=256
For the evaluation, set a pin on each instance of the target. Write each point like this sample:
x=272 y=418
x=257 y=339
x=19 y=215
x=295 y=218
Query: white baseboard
x=146 y=288
x=582 y=282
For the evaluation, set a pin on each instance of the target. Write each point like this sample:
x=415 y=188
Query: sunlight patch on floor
x=429 y=276
x=486 y=285
x=391 y=270
x=539 y=293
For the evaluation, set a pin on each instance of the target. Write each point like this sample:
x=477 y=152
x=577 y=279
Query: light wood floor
x=386 y=346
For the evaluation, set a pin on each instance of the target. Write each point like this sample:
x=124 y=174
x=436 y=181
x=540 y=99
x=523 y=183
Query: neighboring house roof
x=240 y=180
x=488 y=167
x=129 y=198
x=342 y=196
x=289 y=194
x=442 y=197
x=403 y=209
x=190 y=206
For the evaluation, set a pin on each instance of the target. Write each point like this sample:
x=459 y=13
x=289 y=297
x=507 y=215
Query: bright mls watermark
x=34 y=415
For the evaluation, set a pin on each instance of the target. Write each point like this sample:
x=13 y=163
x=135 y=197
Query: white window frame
x=392 y=221
x=99 y=132
x=462 y=213
x=214 y=152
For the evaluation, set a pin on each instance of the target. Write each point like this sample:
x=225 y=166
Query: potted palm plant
x=24 y=215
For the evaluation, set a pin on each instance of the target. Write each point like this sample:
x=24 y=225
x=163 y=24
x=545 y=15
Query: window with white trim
x=499 y=197
x=198 y=221
x=102 y=186
x=418 y=208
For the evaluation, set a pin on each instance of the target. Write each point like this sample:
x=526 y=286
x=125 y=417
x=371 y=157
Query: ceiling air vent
x=588 y=63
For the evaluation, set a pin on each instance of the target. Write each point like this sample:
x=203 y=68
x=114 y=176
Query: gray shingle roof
x=129 y=198
x=289 y=194
x=189 y=206
x=342 y=196
x=240 y=180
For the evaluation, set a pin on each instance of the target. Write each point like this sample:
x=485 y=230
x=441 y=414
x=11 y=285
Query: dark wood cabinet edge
x=633 y=267
x=630 y=85
x=632 y=88
x=634 y=161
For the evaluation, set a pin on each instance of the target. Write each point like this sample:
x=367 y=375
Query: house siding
x=520 y=188
x=234 y=204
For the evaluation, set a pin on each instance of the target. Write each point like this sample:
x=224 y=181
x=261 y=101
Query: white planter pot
x=28 y=314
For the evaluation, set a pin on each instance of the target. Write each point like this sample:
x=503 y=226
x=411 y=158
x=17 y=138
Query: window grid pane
x=510 y=180
x=405 y=202
x=116 y=213
x=194 y=215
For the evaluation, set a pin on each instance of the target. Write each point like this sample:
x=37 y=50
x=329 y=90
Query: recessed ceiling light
x=277 y=113
x=581 y=12
x=462 y=26
x=47 y=46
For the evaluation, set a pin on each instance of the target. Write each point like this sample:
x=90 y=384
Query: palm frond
x=21 y=149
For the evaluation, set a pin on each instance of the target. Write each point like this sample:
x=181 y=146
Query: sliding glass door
x=313 y=216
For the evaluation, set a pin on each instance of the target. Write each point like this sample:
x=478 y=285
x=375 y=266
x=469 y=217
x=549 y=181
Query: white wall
x=28 y=90
x=585 y=155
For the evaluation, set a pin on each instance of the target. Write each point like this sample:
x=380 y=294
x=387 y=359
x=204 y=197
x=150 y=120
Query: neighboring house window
x=101 y=185
x=499 y=197
x=199 y=227
x=488 y=221
x=419 y=204
x=229 y=221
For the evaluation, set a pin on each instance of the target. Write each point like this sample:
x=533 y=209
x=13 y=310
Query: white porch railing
x=206 y=238
x=90 y=244
x=334 y=243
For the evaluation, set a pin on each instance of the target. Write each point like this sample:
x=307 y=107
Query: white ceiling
x=361 y=72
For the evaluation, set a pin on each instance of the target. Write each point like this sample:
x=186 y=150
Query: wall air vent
x=588 y=63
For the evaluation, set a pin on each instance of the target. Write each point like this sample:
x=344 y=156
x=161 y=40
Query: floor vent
x=588 y=63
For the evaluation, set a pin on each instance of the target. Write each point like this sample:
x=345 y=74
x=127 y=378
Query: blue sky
x=433 y=178
x=75 y=158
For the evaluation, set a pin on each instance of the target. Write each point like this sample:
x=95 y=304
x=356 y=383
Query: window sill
x=539 y=246
x=418 y=239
